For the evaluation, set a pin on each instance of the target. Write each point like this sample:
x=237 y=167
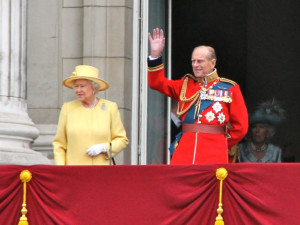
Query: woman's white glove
x=96 y=149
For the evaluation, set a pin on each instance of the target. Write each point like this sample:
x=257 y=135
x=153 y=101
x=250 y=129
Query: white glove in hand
x=96 y=149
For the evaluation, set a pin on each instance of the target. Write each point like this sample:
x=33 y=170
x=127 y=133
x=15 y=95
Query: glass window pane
x=157 y=103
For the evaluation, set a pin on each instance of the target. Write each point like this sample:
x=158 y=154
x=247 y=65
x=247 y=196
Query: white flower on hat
x=210 y=116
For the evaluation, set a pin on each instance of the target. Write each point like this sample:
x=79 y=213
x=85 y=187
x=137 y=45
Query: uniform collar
x=209 y=78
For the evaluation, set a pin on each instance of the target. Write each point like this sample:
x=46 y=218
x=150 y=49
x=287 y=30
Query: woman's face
x=259 y=132
x=83 y=90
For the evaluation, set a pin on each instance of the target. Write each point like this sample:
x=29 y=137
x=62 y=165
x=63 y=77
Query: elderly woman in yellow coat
x=88 y=126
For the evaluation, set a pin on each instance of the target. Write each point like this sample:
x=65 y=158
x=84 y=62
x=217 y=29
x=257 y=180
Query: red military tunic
x=221 y=104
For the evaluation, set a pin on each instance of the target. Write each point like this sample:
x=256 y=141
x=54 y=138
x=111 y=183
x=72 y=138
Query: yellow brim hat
x=85 y=72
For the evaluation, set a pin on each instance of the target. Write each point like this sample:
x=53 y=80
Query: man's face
x=200 y=62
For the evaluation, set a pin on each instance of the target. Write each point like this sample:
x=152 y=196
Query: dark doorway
x=257 y=45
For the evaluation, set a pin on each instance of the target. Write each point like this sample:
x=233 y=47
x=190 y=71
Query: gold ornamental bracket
x=25 y=177
x=221 y=175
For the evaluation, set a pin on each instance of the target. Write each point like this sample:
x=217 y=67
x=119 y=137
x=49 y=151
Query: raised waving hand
x=157 y=42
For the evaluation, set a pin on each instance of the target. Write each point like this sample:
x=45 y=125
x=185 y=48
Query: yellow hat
x=85 y=72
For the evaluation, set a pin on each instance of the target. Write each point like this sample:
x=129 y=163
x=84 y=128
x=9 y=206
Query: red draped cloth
x=254 y=194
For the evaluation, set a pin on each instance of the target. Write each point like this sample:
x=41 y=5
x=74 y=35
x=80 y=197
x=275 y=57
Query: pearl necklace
x=258 y=149
x=92 y=106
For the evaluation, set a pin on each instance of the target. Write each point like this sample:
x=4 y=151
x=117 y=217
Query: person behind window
x=89 y=126
x=263 y=123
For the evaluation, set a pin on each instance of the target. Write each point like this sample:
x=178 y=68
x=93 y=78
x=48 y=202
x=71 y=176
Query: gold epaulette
x=155 y=68
x=227 y=81
x=191 y=76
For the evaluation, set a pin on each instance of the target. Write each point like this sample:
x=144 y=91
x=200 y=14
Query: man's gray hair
x=211 y=51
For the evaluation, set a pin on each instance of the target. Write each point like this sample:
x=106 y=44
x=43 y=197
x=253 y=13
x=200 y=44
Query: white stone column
x=17 y=131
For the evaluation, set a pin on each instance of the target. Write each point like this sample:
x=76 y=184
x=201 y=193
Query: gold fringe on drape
x=221 y=175
x=25 y=176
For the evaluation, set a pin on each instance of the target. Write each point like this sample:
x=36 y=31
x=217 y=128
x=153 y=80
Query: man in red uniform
x=212 y=109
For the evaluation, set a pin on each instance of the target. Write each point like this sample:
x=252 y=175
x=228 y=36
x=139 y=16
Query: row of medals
x=212 y=95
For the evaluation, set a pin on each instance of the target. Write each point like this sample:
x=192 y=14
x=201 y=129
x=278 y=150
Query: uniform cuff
x=154 y=62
